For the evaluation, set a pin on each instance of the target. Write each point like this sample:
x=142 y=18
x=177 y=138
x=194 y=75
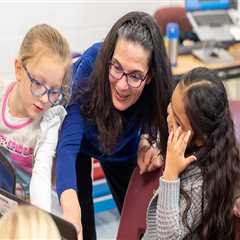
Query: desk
x=224 y=71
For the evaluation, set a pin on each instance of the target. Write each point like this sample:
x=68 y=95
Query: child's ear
x=18 y=69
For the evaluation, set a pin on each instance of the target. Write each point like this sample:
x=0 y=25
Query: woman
x=126 y=94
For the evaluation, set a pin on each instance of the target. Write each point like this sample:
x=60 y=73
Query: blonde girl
x=30 y=114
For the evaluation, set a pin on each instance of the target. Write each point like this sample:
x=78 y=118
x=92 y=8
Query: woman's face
x=47 y=72
x=132 y=59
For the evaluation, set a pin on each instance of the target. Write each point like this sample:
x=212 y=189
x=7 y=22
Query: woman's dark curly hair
x=207 y=107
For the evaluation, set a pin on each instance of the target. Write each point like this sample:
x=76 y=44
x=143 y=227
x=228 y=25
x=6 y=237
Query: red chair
x=133 y=217
x=172 y=14
x=175 y=14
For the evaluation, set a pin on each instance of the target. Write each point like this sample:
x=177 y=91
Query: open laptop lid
x=8 y=200
x=201 y=5
x=212 y=20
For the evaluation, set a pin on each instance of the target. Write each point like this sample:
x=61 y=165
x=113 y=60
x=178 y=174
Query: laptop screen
x=196 y=5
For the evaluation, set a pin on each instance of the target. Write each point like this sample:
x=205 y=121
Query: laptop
x=8 y=200
x=212 y=19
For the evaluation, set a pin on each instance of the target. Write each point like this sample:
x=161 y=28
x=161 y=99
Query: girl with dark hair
x=195 y=197
x=126 y=94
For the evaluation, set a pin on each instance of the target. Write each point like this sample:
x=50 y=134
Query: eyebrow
x=37 y=78
x=174 y=113
x=42 y=80
x=132 y=71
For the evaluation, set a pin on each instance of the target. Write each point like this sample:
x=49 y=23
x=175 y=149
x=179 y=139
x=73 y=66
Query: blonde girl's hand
x=176 y=162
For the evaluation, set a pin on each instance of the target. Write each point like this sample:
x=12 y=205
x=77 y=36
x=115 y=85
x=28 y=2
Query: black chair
x=7 y=172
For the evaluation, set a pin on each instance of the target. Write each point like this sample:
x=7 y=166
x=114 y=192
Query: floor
x=107 y=224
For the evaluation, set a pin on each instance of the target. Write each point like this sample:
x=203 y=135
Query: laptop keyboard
x=213 y=20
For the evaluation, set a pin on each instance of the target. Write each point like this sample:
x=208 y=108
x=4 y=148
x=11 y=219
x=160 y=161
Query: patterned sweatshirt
x=166 y=208
x=32 y=145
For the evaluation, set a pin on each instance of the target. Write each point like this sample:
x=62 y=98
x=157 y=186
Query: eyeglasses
x=134 y=79
x=38 y=89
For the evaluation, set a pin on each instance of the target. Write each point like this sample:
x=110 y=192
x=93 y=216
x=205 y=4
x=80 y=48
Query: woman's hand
x=236 y=207
x=149 y=156
x=71 y=210
x=175 y=159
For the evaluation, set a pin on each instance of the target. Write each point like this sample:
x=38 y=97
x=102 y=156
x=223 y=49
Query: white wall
x=82 y=22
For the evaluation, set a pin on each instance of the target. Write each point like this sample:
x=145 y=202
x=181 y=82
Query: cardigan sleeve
x=171 y=206
x=166 y=209
x=73 y=127
x=68 y=148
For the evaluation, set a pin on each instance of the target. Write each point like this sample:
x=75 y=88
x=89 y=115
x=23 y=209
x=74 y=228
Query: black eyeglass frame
x=127 y=74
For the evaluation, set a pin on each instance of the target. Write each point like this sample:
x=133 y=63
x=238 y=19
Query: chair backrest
x=172 y=14
x=7 y=172
x=175 y=14
x=133 y=217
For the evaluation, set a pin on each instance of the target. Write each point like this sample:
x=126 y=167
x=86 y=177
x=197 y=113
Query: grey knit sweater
x=165 y=210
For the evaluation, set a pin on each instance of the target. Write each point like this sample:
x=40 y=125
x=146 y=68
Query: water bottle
x=172 y=33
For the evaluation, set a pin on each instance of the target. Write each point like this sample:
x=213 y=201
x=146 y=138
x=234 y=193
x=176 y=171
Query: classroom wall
x=82 y=22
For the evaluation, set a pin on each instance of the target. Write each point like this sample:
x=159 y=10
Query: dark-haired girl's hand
x=176 y=162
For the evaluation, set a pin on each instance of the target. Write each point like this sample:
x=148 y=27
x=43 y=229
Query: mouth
x=120 y=96
x=40 y=109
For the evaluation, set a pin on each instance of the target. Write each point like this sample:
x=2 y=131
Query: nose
x=122 y=83
x=44 y=98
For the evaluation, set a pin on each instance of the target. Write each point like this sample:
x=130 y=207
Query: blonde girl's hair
x=28 y=222
x=46 y=40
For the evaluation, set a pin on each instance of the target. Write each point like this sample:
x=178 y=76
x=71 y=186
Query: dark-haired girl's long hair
x=207 y=108
x=96 y=101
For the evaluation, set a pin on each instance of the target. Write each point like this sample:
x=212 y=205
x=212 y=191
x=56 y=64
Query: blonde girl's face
x=47 y=70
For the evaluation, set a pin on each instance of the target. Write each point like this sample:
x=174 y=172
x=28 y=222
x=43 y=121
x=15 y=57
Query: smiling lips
x=121 y=97
x=38 y=108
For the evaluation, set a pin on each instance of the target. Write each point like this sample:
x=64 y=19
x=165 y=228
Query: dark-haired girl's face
x=128 y=73
x=177 y=116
